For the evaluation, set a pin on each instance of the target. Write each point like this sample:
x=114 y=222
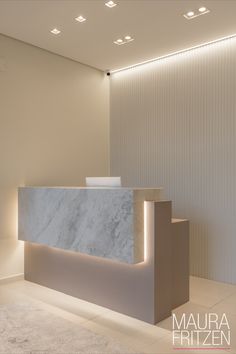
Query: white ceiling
x=157 y=26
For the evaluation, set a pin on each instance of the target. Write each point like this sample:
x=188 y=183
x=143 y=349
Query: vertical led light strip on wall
x=145 y=232
x=173 y=53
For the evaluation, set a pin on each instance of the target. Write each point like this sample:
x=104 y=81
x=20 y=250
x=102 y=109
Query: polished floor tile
x=227 y=305
x=85 y=310
x=205 y=296
x=207 y=292
x=134 y=333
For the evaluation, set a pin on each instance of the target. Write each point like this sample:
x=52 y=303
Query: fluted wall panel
x=173 y=124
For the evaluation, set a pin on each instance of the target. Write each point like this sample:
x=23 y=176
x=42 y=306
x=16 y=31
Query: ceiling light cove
x=80 y=18
x=174 y=53
x=55 y=31
x=125 y=40
x=110 y=4
x=193 y=14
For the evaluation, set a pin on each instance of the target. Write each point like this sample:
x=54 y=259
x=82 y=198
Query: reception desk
x=111 y=246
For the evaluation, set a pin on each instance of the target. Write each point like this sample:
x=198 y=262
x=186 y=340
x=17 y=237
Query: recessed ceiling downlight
x=55 y=31
x=195 y=13
x=80 y=18
x=110 y=4
x=125 y=40
x=190 y=13
x=119 y=41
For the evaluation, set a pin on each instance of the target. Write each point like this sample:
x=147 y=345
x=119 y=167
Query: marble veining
x=100 y=222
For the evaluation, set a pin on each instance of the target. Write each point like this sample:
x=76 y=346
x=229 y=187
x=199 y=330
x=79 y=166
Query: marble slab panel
x=103 y=222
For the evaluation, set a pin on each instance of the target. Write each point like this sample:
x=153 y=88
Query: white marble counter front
x=103 y=222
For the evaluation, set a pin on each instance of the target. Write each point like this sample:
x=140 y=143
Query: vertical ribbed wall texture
x=173 y=124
